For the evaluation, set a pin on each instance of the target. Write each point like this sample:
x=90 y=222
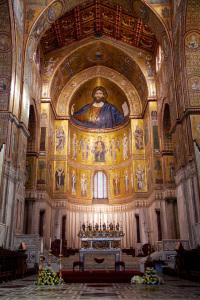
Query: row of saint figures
x=99 y=148
x=118 y=183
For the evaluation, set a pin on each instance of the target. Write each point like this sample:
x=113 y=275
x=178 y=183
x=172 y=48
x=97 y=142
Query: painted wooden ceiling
x=94 y=18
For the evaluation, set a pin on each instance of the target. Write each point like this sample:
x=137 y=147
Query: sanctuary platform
x=97 y=276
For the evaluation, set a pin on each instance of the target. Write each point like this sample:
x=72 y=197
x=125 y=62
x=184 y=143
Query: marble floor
x=173 y=288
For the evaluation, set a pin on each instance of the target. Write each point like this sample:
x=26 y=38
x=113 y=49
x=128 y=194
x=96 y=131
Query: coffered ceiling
x=95 y=18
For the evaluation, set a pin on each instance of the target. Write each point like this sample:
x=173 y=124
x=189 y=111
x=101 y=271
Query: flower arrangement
x=47 y=276
x=137 y=279
x=149 y=278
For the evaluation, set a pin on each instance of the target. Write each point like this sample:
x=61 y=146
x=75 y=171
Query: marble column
x=188 y=203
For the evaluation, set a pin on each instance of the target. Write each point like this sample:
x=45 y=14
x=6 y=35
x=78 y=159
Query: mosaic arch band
x=99 y=113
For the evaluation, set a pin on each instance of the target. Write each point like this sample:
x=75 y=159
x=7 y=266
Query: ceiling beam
x=118 y=22
x=98 y=27
x=77 y=22
x=138 y=32
x=56 y=28
x=121 y=26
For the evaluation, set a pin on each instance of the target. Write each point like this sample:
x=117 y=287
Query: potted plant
x=47 y=276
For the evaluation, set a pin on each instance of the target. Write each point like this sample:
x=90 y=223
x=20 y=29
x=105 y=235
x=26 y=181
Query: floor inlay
x=172 y=289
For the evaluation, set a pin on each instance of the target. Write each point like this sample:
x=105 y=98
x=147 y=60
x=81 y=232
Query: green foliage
x=48 y=277
x=149 y=278
x=137 y=279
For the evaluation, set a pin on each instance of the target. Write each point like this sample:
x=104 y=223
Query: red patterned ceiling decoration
x=96 y=19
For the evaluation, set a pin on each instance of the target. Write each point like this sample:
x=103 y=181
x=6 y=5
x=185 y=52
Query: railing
x=12 y=264
x=171 y=244
x=2 y=234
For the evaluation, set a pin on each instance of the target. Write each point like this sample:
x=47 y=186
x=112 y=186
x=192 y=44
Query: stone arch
x=43 y=22
x=46 y=18
x=145 y=87
x=72 y=86
x=7 y=47
x=12 y=34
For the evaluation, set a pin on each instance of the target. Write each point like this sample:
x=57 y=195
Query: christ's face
x=99 y=96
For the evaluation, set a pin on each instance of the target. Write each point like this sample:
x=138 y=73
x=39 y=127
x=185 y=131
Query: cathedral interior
x=99 y=121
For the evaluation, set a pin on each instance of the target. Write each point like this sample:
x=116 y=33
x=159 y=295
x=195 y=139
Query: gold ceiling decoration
x=98 y=18
x=111 y=57
x=102 y=75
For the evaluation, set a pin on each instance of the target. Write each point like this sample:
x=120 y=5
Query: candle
x=42 y=245
x=50 y=243
x=60 y=246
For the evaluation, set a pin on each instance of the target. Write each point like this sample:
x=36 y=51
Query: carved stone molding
x=41 y=196
x=169 y=194
x=104 y=207
x=10 y=172
x=186 y=172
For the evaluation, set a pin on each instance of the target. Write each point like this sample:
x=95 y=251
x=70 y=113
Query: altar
x=101 y=240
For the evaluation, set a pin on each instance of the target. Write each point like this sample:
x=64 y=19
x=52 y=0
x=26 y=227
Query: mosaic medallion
x=4 y=85
x=54 y=11
x=5 y=42
x=194 y=84
x=192 y=41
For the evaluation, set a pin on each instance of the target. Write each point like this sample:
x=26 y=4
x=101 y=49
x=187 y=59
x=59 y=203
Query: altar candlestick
x=60 y=246
x=50 y=243
x=42 y=245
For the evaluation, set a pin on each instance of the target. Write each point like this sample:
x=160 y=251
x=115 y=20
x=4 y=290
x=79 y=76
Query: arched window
x=159 y=58
x=100 y=185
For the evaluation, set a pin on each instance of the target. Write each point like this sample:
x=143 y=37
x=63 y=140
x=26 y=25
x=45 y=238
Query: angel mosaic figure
x=60 y=178
x=83 y=185
x=60 y=139
x=125 y=146
x=139 y=138
x=114 y=146
x=126 y=181
x=139 y=173
x=82 y=148
x=74 y=146
x=116 y=184
x=73 y=182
